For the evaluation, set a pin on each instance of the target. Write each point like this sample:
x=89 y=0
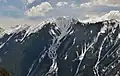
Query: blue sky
x=11 y=8
x=26 y=11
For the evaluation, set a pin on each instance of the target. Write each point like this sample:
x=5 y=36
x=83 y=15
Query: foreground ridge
x=62 y=47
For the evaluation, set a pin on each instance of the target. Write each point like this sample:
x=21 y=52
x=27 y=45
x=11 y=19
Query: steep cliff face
x=62 y=47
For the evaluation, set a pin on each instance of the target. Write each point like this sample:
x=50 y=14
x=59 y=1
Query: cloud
x=9 y=7
x=39 y=10
x=29 y=1
x=91 y=3
x=114 y=14
x=111 y=15
x=61 y=4
x=8 y=22
x=108 y=2
x=88 y=4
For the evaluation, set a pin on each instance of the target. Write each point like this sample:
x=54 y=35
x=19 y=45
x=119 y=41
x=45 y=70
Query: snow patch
x=119 y=35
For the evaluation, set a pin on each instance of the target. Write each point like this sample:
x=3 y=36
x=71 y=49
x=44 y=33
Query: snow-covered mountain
x=2 y=32
x=62 y=47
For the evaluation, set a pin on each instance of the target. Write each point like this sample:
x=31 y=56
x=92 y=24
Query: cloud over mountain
x=91 y=3
x=114 y=14
x=39 y=10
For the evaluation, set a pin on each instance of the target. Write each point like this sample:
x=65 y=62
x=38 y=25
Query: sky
x=32 y=12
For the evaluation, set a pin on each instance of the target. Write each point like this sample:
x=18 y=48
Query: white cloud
x=91 y=3
x=61 y=4
x=111 y=15
x=39 y=10
x=73 y=5
x=108 y=2
x=88 y=4
x=108 y=16
x=31 y=1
